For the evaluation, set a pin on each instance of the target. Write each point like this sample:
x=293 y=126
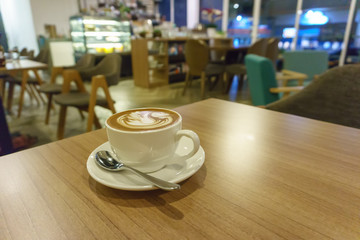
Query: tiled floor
x=126 y=96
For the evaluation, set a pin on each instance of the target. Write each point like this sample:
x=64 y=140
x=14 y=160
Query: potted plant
x=157 y=33
x=142 y=34
x=211 y=15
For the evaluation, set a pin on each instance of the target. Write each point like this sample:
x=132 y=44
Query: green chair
x=310 y=62
x=262 y=81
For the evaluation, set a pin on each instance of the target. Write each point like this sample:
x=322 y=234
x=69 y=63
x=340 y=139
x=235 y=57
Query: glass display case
x=99 y=35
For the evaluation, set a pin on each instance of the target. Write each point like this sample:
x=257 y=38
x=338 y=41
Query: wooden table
x=23 y=66
x=267 y=175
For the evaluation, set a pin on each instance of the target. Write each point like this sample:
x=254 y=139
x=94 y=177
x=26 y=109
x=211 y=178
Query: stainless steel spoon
x=107 y=162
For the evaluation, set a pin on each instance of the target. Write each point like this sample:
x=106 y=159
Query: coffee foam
x=143 y=119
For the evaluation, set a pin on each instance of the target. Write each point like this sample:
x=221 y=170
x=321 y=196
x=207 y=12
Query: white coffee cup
x=147 y=138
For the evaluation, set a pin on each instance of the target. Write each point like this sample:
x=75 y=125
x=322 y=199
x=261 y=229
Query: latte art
x=145 y=120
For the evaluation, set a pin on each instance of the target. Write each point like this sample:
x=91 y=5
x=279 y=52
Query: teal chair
x=309 y=62
x=262 y=81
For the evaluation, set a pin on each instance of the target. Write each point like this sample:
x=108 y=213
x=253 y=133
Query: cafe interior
x=302 y=39
x=284 y=74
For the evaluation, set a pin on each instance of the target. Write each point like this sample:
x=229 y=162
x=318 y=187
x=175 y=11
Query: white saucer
x=177 y=171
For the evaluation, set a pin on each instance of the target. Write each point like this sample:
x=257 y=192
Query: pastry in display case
x=99 y=35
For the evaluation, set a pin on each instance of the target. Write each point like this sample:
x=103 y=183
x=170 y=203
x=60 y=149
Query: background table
x=23 y=66
x=267 y=175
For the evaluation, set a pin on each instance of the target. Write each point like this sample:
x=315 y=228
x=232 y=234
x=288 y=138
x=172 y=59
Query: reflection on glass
x=99 y=35
x=354 y=43
x=322 y=25
x=314 y=17
x=278 y=20
x=240 y=21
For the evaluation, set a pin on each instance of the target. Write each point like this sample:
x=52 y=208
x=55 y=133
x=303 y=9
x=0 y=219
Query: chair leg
x=48 y=108
x=97 y=122
x=39 y=94
x=2 y=88
x=38 y=78
x=241 y=82
x=69 y=76
x=91 y=112
x=23 y=86
x=96 y=83
x=223 y=80
x=230 y=79
x=187 y=81
x=214 y=83
x=81 y=114
x=32 y=94
x=54 y=73
x=203 y=78
x=61 y=123
x=190 y=80
x=10 y=97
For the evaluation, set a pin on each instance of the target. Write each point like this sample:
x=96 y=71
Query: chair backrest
x=196 y=56
x=109 y=66
x=272 y=50
x=261 y=75
x=86 y=61
x=218 y=56
x=43 y=55
x=23 y=52
x=259 y=47
x=309 y=62
x=333 y=97
x=30 y=54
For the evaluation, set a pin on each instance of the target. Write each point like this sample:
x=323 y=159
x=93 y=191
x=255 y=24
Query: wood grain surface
x=23 y=64
x=267 y=175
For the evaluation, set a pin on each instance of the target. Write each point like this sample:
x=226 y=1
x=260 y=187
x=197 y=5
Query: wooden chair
x=23 y=52
x=30 y=54
x=51 y=88
x=43 y=55
x=257 y=48
x=32 y=83
x=272 y=50
x=332 y=97
x=262 y=82
x=103 y=75
x=197 y=57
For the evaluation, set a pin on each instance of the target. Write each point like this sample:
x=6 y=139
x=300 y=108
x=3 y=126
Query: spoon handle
x=156 y=181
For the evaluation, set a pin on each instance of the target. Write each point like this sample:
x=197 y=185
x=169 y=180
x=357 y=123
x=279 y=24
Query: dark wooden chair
x=103 y=75
x=51 y=88
x=197 y=56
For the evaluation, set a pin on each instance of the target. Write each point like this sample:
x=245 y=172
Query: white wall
x=18 y=23
x=193 y=12
x=55 y=12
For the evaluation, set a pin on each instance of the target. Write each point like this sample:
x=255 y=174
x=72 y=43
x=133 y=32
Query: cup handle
x=194 y=137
